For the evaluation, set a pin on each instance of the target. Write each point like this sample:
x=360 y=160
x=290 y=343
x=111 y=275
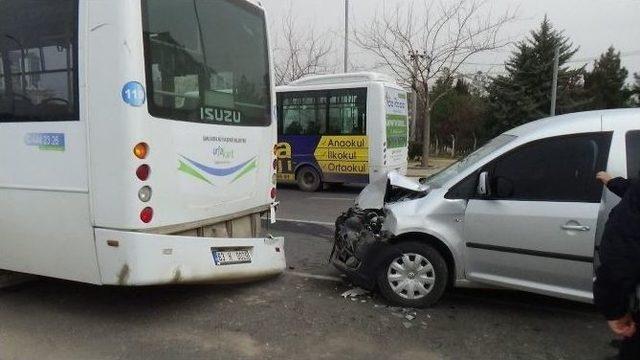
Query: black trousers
x=630 y=347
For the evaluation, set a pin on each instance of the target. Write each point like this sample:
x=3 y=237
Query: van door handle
x=576 y=227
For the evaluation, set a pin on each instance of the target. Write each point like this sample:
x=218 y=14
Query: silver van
x=523 y=212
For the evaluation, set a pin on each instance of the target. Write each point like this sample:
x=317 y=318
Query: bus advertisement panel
x=397 y=125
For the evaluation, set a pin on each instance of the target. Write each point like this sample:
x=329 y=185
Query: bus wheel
x=308 y=179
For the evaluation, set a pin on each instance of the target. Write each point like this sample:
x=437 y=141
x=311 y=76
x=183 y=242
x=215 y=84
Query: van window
x=633 y=154
x=38 y=60
x=554 y=169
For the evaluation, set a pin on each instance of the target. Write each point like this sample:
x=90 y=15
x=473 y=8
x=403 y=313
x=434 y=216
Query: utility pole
x=554 y=86
x=346 y=35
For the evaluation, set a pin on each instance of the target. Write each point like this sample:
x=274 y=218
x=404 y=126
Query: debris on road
x=355 y=292
x=407 y=324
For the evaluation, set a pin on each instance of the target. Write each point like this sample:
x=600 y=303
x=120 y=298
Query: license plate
x=230 y=257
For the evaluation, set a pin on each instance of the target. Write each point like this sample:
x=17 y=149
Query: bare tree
x=300 y=53
x=432 y=40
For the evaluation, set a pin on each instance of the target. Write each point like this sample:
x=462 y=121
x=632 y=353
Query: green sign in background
x=397 y=130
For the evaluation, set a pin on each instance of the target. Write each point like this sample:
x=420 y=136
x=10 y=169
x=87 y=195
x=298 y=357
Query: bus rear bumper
x=140 y=259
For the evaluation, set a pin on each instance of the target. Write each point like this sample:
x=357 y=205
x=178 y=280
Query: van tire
x=308 y=179
x=423 y=255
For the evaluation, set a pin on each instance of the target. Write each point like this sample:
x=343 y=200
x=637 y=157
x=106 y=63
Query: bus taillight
x=144 y=194
x=143 y=172
x=146 y=215
x=274 y=193
x=141 y=150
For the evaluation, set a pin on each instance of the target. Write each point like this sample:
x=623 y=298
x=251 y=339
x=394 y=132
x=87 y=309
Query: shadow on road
x=353 y=189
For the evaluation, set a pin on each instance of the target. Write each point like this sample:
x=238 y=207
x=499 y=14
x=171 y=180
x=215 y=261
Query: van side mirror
x=483 y=184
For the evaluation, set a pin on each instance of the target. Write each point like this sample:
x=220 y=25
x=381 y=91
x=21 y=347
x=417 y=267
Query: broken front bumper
x=138 y=259
x=358 y=251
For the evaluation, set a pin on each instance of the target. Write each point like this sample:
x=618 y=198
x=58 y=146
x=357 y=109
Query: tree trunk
x=426 y=128
x=453 y=146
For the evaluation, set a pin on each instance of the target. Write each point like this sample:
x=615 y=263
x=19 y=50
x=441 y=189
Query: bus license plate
x=230 y=257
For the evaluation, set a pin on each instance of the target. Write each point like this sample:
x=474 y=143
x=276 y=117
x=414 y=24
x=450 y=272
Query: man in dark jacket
x=618 y=275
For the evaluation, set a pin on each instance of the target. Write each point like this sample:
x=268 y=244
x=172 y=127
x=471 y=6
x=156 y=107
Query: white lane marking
x=307 y=222
x=314 y=276
x=331 y=198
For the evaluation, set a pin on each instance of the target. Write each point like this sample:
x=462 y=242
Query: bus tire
x=308 y=179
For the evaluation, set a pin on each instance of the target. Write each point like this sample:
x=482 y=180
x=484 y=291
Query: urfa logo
x=220 y=115
x=222 y=153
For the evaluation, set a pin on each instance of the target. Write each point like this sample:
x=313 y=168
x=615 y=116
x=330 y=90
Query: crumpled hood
x=373 y=195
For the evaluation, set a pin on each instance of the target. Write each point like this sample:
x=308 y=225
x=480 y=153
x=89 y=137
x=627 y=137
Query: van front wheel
x=416 y=278
x=308 y=179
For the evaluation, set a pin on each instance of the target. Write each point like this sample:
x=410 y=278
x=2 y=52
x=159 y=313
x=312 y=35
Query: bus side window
x=347 y=112
x=633 y=154
x=38 y=61
x=303 y=113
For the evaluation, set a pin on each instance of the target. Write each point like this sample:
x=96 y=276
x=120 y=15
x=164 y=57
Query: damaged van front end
x=364 y=233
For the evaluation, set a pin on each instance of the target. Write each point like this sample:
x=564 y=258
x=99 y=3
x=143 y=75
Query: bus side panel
x=338 y=159
x=45 y=222
x=47 y=233
x=294 y=151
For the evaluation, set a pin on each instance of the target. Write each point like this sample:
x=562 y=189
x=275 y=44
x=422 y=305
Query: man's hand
x=624 y=326
x=604 y=177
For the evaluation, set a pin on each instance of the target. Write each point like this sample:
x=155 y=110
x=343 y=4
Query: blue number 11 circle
x=133 y=93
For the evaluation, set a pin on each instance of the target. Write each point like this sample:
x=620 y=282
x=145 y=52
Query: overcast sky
x=593 y=25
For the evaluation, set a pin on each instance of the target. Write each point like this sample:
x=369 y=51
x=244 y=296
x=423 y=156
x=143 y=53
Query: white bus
x=343 y=128
x=136 y=141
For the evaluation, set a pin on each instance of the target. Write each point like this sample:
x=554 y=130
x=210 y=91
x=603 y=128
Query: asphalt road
x=322 y=207
x=299 y=315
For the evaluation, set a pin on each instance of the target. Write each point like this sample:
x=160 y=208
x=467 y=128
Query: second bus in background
x=345 y=128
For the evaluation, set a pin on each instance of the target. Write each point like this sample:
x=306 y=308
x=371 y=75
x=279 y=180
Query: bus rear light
x=275 y=164
x=146 y=215
x=274 y=193
x=144 y=194
x=143 y=172
x=274 y=179
x=141 y=150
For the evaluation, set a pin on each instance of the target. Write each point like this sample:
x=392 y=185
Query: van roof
x=573 y=121
x=342 y=79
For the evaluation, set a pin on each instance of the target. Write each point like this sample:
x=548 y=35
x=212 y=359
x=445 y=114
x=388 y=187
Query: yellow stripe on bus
x=344 y=167
x=344 y=142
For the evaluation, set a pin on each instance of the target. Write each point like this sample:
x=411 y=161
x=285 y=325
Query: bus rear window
x=207 y=62
x=38 y=60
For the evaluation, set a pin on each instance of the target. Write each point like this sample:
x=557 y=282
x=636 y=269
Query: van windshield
x=439 y=179
x=207 y=61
